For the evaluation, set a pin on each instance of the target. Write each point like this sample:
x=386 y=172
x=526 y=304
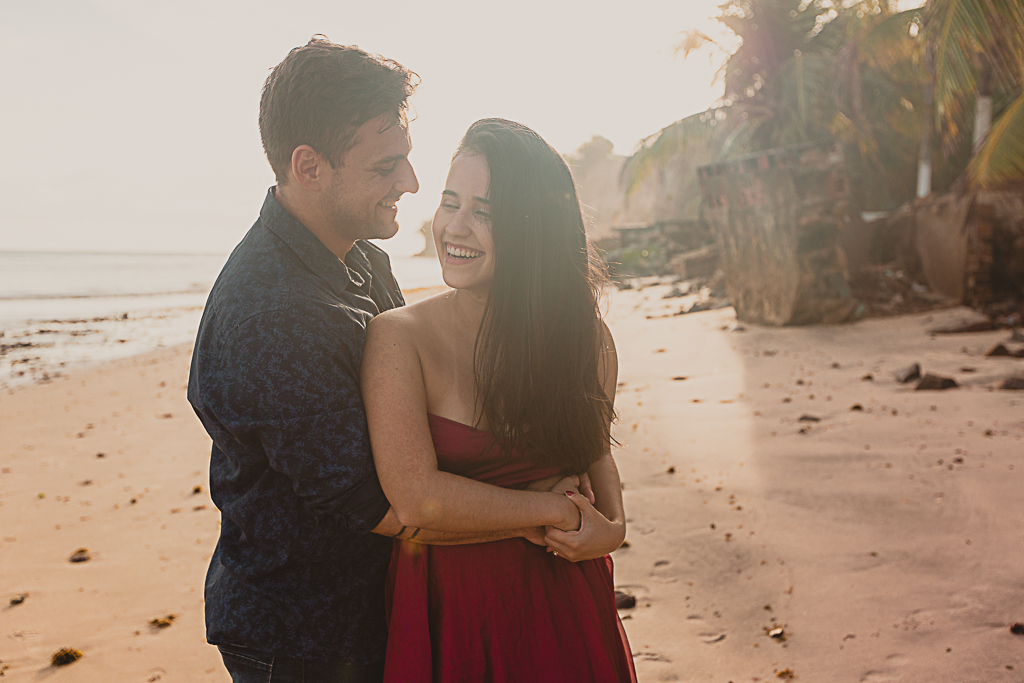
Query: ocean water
x=59 y=311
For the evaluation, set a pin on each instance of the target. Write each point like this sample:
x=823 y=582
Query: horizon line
x=116 y=253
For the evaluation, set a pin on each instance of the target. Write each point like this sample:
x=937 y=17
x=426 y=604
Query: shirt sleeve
x=291 y=382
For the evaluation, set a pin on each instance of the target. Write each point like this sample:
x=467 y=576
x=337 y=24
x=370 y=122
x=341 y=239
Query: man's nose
x=407 y=181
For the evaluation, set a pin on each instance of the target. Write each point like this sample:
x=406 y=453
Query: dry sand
x=880 y=563
x=886 y=543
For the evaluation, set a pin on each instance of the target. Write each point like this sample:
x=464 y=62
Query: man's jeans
x=249 y=666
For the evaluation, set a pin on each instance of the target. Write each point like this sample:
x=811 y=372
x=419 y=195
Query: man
x=295 y=587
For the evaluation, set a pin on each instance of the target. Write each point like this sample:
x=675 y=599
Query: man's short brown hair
x=321 y=93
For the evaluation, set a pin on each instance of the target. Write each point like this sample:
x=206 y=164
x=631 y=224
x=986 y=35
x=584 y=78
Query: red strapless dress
x=504 y=611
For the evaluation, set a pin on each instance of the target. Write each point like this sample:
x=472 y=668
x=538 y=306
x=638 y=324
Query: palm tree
x=780 y=90
x=876 y=80
x=978 y=48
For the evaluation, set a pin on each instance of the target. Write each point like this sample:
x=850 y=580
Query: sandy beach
x=885 y=542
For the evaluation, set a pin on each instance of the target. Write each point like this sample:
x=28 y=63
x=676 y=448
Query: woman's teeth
x=456 y=252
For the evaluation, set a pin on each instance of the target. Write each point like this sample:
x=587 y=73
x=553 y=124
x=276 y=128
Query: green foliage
x=858 y=74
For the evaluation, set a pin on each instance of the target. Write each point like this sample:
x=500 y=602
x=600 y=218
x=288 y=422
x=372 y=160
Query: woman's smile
x=457 y=253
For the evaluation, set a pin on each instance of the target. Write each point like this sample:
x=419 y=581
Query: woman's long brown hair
x=541 y=340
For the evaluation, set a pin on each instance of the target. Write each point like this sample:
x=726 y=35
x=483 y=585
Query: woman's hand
x=572 y=518
x=596 y=537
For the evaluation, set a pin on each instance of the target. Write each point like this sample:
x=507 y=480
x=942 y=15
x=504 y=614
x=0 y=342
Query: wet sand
x=879 y=563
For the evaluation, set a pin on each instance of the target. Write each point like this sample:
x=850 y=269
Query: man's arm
x=390 y=526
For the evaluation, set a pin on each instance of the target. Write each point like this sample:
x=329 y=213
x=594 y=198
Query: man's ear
x=307 y=168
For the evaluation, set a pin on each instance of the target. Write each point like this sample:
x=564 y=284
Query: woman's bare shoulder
x=407 y=322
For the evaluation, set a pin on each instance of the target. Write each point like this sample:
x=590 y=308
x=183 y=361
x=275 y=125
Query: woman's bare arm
x=421 y=495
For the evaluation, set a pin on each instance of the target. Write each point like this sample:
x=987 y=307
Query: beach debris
x=680 y=378
x=1012 y=384
x=734 y=327
x=963 y=326
x=787 y=400
x=163 y=622
x=968 y=368
x=40 y=495
x=196 y=490
x=85 y=482
x=1017 y=629
x=167 y=416
x=867 y=378
x=80 y=555
x=908 y=374
x=197 y=508
x=18 y=599
x=999 y=350
x=624 y=600
x=670 y=470
x=65 y=656
x=775 y=633
x=857 y=407
x=728 y=537
x=786 y=674
x=809 y=418
x=932 y=382
x=714 y=639
x=836 y=366
x=804 y=430
x=101 y=455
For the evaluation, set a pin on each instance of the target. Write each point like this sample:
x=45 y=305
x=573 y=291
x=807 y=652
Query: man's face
x=375 y=172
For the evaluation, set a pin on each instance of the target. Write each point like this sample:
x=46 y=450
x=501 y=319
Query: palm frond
x=693 y=132
x=1001 y=156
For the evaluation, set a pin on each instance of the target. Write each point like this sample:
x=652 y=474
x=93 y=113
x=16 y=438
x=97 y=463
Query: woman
x=507 y=379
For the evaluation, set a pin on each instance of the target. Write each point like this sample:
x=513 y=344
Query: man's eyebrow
x=391 y=159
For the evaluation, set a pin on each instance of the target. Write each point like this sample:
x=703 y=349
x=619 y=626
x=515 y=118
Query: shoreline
x=41 y=350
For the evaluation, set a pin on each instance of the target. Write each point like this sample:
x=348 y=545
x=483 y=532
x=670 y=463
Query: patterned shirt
x=275 y=381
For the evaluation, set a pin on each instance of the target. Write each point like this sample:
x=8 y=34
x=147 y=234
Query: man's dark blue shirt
x=275 y=381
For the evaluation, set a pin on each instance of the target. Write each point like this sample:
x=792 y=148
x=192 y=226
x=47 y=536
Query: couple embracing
x=408 y=493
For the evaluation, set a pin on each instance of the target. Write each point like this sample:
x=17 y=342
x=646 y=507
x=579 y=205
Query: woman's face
x=462 y=226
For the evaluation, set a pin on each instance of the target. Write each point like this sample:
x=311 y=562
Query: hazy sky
x=131 y=125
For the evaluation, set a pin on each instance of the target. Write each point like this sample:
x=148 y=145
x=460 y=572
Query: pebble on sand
x=908 y=374
x=18 y=599
x=163 y=622
x=80 y=555
x=624 y=600
x=932 y=382
x=1012 y=384
x=65 y=656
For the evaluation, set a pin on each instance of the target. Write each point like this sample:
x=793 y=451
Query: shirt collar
x=354 y=270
